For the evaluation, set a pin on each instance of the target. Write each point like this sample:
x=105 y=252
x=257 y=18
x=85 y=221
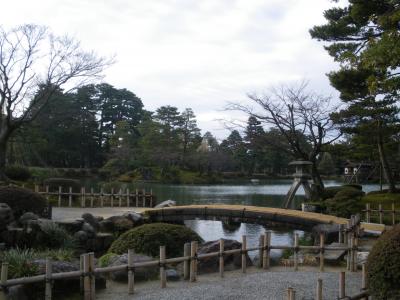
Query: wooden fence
x=190 y=260
x=101 y=198
x=364 y=294
x=379 y=214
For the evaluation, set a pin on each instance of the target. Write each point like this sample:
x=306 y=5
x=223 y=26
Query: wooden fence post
x=163 y=276
x=364 y=283
x=368 y=213
x=193 y=261
x=120 y=198
x=321 y=251
x=47 y=192
x=186 y=263
x=244 y=252
x=91 y=197
x=48 y=279
x=261 y=250
x=266 y=251
x=380 y=214
x=221 y=257
x=86 y=278
x=319 y=289
x=112 y=197
x=3 y=280
x=128 y=201
x=82 y=269
x=83 y=197
x=137 y=198
x=291 y=294
x=101 y=197
x=70 y=196
x=144 y=197
x=131 y=273
x=393 y=215
x=342 y=285
x=296 y=249
x=354 y=244
x=151 y=198
x=92 y=276
x=59 y=195
x=341 y=233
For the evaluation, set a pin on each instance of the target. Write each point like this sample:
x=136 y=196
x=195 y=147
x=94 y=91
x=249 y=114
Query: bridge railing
x=190 y=260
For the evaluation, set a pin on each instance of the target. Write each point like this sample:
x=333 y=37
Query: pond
x=259 y=193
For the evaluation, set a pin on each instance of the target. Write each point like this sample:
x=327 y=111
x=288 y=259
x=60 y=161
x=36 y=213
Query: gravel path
x=256 y=285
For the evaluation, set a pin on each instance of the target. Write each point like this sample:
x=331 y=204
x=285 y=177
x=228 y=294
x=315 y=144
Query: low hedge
x=22 y=200
x=17 y=172
x=345 y=203
x=383 y=266
x=147 y=239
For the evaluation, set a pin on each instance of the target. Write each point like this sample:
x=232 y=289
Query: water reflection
x=214 y=230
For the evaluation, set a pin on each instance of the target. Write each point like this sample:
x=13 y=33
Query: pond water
x=261 y=193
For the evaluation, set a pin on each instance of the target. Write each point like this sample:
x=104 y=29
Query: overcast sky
x=192 y=53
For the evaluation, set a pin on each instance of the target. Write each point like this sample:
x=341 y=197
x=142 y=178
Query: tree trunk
x=385 y=166
x=3 y=152
x=316 y=176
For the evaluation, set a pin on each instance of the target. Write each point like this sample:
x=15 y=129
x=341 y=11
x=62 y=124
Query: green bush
x=170 y=175
x=148 y=238
x=19 y=262
x=22 y=200
x=104 y=261
x=330 y=191
x=62 y=254
x=345 y=203
x=383 y=266
x=53 y=236
x=16 y=172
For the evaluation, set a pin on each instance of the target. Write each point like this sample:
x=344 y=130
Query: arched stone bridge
x=248 y=214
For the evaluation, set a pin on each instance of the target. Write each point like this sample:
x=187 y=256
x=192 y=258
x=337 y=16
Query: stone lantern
x=300 y=178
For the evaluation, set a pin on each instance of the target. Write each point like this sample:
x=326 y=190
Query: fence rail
x=380 y=213
x=190 y=260
x=101 y=198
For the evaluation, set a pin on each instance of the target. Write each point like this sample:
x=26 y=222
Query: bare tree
x=34 y=63
x=302 y=117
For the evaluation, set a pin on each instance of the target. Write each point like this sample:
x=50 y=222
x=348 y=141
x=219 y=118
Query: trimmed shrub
x=147 y=239
x=23 y=200
x=345 y=203
x=330 y=191
x=16 y=172
x=354 y=185
x=104 y=261
x=383 y=266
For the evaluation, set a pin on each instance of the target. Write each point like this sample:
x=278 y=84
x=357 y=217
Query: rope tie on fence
x=221 y=254
x=195 y=257
x=161 y=264
x=243 y=251
x=130 y=269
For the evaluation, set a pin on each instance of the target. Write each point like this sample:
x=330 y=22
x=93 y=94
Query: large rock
x=231 y=261
x=92 y=220
x=72 y=226
x=330 y=231
x=136 y=218
x=62 y=267
x=28 y=217
x=141 y=273
x=90 y=231
x=6 y=215
x=166 y=203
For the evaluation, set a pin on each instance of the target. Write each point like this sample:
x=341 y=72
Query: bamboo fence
x=190 y=260
x=101 y=198
x=380 y=214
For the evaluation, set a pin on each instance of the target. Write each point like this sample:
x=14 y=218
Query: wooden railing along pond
x=190 y=260
x=100 y=198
